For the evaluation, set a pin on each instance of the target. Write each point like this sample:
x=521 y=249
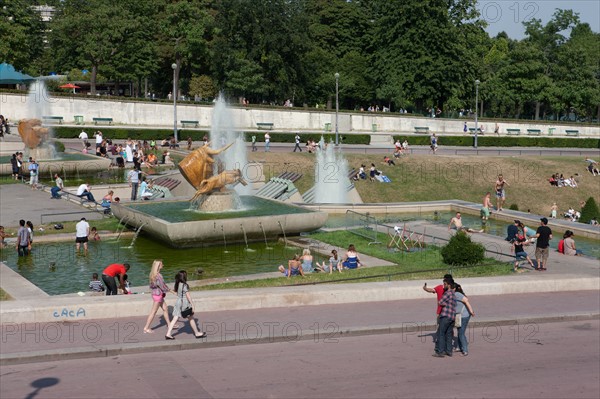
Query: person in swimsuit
x=485 y=208
x=307 y=261
x=458 y=226
x=500 y=192
x=295 y=267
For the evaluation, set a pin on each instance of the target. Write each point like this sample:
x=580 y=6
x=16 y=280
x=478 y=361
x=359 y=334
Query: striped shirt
x=96 y=285
x=448 y=303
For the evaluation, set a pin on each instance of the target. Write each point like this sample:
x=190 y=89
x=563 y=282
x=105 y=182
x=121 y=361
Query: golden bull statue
x=197 y=168
x=32 y=133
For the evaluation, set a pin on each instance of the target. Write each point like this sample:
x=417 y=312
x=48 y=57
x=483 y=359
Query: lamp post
x=174 y=66
x=476 y=105
x=337 y=108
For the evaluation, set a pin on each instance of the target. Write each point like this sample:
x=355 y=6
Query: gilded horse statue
x=32 y=133
x=198 y=167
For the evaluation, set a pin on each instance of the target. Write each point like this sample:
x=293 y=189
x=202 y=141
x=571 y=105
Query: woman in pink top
x=159 y=291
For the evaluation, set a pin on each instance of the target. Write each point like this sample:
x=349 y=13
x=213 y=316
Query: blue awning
x=8 y=75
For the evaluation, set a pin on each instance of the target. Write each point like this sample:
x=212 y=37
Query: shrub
x=589 y=211
x=508 y=141
x=460 y=250
x=58 y=146
x=513 y=207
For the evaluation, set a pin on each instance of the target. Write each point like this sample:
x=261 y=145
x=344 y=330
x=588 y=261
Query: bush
x=461 y=251
x=590 y=211
x=513 y=207
x=467 y=141
x=122 y=133
x=58 y=146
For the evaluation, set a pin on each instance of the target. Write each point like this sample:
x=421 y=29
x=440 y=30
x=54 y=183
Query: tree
x=203 y=86
x=21 y=30
x=89 y=33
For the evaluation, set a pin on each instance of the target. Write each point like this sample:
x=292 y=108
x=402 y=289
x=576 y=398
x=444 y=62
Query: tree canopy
x=411 y=54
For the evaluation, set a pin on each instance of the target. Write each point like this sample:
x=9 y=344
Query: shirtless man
x=500 y=193
x=485 y=208
x=457 y=222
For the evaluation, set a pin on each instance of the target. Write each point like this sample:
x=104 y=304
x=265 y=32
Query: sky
x=509 y=15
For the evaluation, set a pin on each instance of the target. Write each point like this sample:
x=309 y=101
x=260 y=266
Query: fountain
x=214 y=174
x=331 y=175
x=34 y=136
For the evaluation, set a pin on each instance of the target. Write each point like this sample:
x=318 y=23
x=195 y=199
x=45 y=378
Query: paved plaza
x=369 y=340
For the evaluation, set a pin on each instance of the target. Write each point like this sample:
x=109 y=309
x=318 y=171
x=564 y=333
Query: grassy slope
x=428 y=177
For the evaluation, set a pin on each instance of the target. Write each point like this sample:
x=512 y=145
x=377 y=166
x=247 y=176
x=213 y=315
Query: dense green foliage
x=116 y=133
x=411 y=54
x=590 y=211
x=462 y=251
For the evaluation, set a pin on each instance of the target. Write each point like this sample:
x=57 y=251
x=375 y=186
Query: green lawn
x=3 y=295
x=423 y=265
x=105 y=224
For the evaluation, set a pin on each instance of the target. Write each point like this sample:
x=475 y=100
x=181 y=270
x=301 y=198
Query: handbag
x=458 y=320
x=187 y=312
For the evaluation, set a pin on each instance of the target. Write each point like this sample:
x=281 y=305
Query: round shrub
x=590 y=211
x=461 y=251
x=513 y=207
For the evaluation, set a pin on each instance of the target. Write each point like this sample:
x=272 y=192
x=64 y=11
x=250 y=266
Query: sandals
x=202 y=335
x=169 y=338
x=148 y=331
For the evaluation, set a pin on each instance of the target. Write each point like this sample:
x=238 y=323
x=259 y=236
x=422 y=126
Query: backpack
x=561 y=246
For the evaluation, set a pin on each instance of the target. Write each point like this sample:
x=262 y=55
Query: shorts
x=81 y=240
x=542 y=253
x=521 y=255
x=500 y=194
x=158 y=298
x=33 y=179
x=295 y=272
x=485 y=212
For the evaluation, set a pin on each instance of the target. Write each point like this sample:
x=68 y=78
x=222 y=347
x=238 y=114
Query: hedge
x=120 y=133
x=466 y=141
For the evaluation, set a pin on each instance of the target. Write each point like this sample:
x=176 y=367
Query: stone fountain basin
x=172 y=222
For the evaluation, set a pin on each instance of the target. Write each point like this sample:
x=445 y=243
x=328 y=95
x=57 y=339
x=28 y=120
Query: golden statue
x=197 y=168
x=32 y=133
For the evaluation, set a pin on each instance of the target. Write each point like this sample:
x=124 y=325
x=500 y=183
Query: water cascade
x=331 y=175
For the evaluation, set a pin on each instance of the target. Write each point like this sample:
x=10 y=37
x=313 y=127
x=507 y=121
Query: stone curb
x=320 y=335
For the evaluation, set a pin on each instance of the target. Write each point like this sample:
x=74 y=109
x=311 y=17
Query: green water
x=589 y=246
x=179 y=211
x=72 y=272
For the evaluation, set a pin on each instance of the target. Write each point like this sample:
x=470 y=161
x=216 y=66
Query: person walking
x=82 y=232
x=433 y=143
x=254 y=149
x=159 y=292
x=267 y=142
x=109 y=275
x=184 y=307
x=543 y=236
x=297 y=140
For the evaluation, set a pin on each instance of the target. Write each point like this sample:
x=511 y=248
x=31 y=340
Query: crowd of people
x=301 y=265
x=558 y=180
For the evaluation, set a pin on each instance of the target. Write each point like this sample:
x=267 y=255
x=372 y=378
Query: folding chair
x=398 y=239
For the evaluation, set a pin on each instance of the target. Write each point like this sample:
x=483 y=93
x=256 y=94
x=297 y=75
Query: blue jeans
x=463 y=344
x=267 y=145
x=88 y=195
x=444 y=338
x=54 y=190
x=134 y=190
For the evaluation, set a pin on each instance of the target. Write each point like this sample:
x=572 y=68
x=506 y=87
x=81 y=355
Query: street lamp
x=174 y=66
x=476 y=104
x=337 y=107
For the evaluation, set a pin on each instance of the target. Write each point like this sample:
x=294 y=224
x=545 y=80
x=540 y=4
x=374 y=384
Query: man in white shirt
x=134 y=181
x=85 y=190
x=84 y=138
x=98 y=136
x=82 y=231
x=297 y=140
